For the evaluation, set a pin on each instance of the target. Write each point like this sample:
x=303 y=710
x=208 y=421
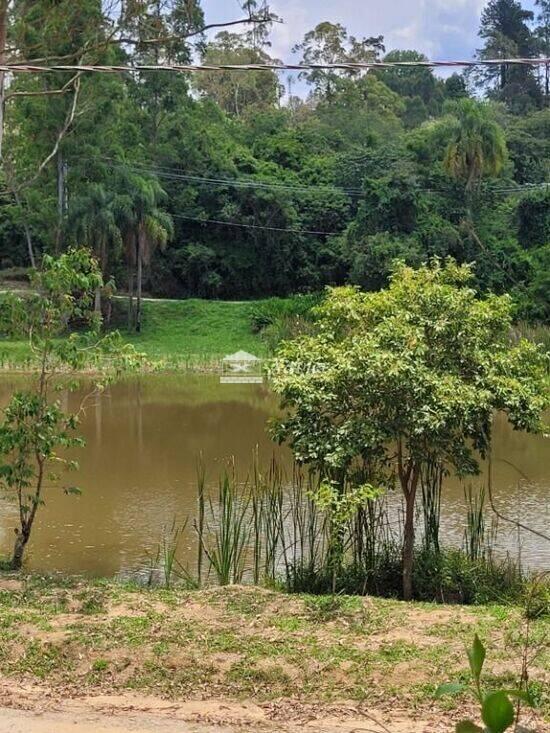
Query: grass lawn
x=206 y=328
x=71 y=636
x=178 y=330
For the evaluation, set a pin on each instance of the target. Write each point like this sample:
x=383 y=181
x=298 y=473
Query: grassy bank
x=182 y=332
x=178 y=329
x=234 y=643
x=196 y=333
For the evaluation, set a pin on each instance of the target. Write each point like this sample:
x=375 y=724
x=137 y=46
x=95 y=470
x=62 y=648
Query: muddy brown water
x=138 y=472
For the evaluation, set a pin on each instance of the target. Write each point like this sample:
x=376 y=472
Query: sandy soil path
x=33 y=710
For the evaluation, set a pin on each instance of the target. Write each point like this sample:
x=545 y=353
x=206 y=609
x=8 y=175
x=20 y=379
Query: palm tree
x=93 y=221
x=144 y=227
x=477 y=147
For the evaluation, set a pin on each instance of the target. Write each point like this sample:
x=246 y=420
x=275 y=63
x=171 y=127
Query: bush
x=448 y=576
x=271 y=310
x=16 y=274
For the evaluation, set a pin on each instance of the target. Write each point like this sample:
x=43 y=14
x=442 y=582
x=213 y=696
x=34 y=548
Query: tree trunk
x=97 y=302
x=139 y=282
x=3 y=34
x=26 y=228
x=409 y=475
x=130 y=298
x=61 y=201
x=21 y=540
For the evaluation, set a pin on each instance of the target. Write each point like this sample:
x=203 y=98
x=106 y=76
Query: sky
x=441 y=29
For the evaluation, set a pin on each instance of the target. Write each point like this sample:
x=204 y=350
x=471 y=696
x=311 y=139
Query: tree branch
x=68 y=122
x=63 y=90
x=111 y=41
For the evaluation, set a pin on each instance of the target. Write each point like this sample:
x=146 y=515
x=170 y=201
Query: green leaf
x=476 y=656
x=466 y=726
x=497 y=712
x=449 y=688
x=524 y=695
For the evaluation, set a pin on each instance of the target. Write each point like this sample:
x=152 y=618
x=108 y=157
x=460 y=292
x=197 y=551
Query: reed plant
x=275 y=529
x=431 y=482
x=225 y=532
x=474 y=533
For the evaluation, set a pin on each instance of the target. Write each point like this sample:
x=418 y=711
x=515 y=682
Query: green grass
x=194 y=332
x=181 y=328
x=262 y=645
x=177 y=331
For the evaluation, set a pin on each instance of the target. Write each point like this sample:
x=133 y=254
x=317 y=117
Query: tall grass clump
x=431 y=482
x=474 y=533
x=165 y=564
x=279 y=319
x=225 y=531
x=298 y=533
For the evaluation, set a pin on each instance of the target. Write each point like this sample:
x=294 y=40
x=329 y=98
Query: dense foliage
x=228 y=185
x=410 y=376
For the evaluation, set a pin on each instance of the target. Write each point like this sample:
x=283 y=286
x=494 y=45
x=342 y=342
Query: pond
x=138 y=473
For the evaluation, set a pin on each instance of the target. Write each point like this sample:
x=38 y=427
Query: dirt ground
x=25 y=709
x=101 y=657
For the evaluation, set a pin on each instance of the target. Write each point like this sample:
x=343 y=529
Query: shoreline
x=290 y=658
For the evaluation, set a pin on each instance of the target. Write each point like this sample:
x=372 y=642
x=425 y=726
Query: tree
x=94 y=223
x=145 y=227
x=35 y=426
x=477 y=146
x=329 y=43
x=505 y=28
x=415 y=82
x=409 y=375
x=533 y=214
x=542 y=34
x=235 y=92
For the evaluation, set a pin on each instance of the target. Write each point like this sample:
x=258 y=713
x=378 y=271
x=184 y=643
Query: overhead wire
x=222 y=222
x=30 y=68
x=177 y=174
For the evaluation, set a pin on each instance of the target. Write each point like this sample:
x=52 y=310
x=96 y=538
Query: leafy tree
x=237 y=93
x=329 y=43
x=416 y=84
x=477 y=147
x=504 y=26
x=145 y=227
x=455 y=87
x=35 y=427
x=528 y=143
x=390 y=205
x=411 y=374
x=371 y=258
x=94 y=223
x=534 y=219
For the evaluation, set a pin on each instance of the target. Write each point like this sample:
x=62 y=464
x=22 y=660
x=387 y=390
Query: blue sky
x=441 y=29
x=438 y=28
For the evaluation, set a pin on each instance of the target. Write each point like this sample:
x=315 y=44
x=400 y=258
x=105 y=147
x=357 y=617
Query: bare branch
x=46 y=93
x=66 y=126
x=112 y=40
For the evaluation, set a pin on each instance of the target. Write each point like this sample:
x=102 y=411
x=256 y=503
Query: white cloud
x=440 y=27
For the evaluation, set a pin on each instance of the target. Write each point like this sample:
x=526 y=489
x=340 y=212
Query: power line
x=177 y=174
x=251 y=226
x=30 y=68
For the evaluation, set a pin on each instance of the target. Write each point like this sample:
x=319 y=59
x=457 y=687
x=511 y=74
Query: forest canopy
x=229 y=185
